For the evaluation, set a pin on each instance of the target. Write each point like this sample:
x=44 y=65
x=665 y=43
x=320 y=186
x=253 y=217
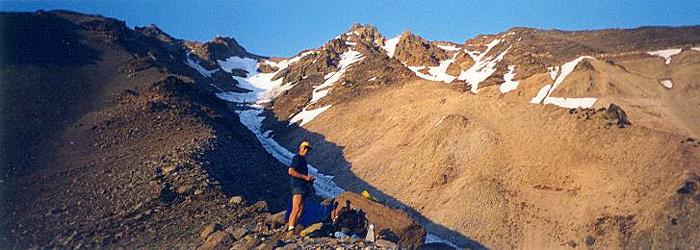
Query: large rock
x=209 y=229
x=410 y=233
x=218 y=240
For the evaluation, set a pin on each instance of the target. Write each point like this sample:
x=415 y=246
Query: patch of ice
x=483 y=67
x=390 y=45
x=449 y=47
x=666 y=53
x=541 y=94
x=570 y=102
x=305 y=116
x=195 y=65
x=667 y=83
x=346 y=59
x=553 y=71
x=509 y=84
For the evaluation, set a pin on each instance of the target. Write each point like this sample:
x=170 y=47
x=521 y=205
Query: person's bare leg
x=301 y=209
x=296 y=208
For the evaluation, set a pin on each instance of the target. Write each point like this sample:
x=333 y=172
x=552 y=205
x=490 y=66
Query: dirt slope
x=515 y=175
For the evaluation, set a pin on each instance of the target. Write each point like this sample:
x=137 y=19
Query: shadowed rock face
x=108 y=136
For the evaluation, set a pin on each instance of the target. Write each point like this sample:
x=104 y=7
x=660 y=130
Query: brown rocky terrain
x=110 y=140
x=114 y=136
x=492 y=169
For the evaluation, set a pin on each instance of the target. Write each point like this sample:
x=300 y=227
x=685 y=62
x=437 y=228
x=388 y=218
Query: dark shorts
x=304 y=191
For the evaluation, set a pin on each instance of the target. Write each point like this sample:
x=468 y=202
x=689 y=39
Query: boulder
x=616 y=113
x=209 y=229
x=248 y=242
x=237 y=233
x=218 y=240
x=410 y=234
x=235 y=200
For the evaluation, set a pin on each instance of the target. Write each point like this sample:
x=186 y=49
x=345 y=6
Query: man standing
x=300 y=184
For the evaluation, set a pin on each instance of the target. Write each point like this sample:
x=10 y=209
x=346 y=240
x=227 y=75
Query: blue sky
x=283 y=28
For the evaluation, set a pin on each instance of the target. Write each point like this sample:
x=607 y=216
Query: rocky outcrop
x=410 y=234
x=413 y=50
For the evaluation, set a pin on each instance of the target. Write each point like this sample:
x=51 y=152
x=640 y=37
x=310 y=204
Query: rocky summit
x=118 y=137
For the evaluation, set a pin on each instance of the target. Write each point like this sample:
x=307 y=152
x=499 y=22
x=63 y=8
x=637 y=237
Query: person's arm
x=296 y=174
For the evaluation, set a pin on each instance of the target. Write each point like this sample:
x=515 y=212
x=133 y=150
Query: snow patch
x=566 y=69
x=695 y=48
x=570 y=102
x=390 y=45
x=541 y=94
x=305 y=116
x=544 y=95
x=553 y=71
x=667 y=83
x=449 y=47
x=372 y=79
x=483 y=67
x=195 y=65
x=235 y=62
x=436 y=73
x=666 y=54
x=509 y=84
x=346 y=59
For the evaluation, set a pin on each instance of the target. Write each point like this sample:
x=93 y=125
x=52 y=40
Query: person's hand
x=310 y=178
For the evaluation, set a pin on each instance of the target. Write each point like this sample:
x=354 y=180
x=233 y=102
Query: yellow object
x=366 y=195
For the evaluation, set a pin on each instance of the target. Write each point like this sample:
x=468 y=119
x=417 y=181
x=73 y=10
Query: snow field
x=483 y=67
x=390 y=45
x=544 y=95
x=509 y=84
x=666 y=54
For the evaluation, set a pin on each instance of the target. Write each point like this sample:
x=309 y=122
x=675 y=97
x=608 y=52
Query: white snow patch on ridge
x=346 y=59
x=509 y=84
x=570 y=102
x=193 y=64
x=667 y=83
x=436 y=73
x=306 y=116
x=695 y=48
x=666 y=54
x=235 y=62
x=390 y=45
x=544 y=95
x=541 y=94
x=482 y=68
x=449 y=47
